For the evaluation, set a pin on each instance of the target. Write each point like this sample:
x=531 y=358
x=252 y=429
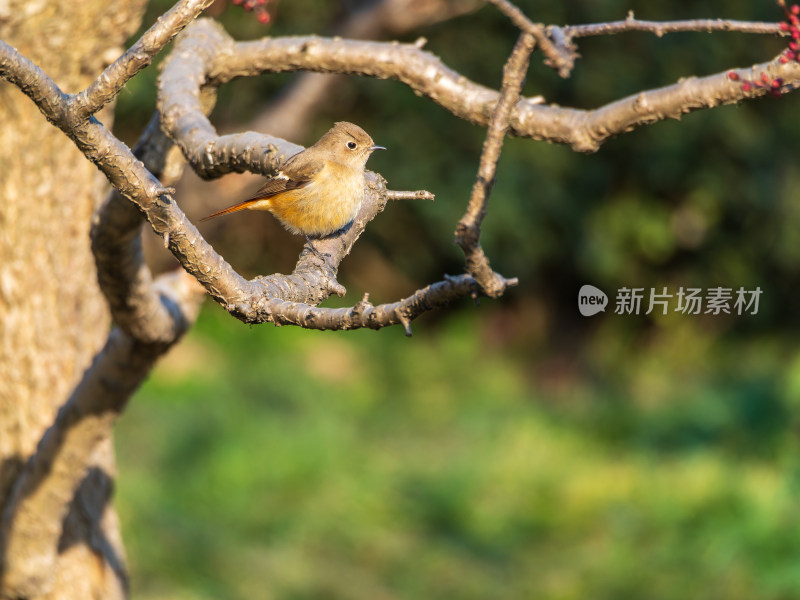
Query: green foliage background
x=516 y=449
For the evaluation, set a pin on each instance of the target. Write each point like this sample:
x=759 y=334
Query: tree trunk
x=53 y=318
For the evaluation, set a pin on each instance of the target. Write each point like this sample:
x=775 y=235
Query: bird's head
x=348 y=143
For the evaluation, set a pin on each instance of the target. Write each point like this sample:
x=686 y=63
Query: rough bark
x=54 y=318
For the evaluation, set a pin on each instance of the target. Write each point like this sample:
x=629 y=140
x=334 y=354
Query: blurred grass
x=275 y=463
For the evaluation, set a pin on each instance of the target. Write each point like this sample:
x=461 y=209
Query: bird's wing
x=300 y=173
x=297 y=172
x=278 y=184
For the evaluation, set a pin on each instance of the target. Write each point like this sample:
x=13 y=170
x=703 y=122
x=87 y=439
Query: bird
x=319 y=190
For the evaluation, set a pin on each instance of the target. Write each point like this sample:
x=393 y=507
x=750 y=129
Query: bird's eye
x=351 y=145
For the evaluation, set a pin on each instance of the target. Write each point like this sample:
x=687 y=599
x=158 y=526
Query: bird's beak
x=371 y=148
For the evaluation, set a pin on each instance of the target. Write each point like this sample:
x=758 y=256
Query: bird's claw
x=320 y=255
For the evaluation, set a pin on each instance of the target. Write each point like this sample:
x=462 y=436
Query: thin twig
x=468 y=230
x=415 y=195
x=660 y=28
x=560 y=57
x=556 y=42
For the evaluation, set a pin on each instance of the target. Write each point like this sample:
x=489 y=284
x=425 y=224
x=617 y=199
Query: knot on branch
x=563 y=52
x=467 y=235
x=494 y=285
x=362 y=306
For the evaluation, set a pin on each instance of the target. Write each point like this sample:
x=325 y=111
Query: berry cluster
x=772 y=84
x=792 y=27
x=259 y=8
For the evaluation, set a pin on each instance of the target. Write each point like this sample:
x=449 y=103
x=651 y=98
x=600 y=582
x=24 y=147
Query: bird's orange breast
x=321 y=207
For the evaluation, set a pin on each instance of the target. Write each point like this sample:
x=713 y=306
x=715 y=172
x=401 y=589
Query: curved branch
x=583 y=130
x=313 y=280
x=292 y=110
x=183 y=105
x=138 y=306
x=364 y=314
x=218 y=59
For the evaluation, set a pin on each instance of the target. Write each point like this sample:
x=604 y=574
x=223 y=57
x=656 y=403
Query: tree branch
x=209 y=56
x=583 y=130
x=556 y=42
x=468 y=231
x=291 y=112
x=364 y=314
x=183 y=105
x=415 y=195
x=660 y=28
x=137 y=305
x=136 y=58
x=559 y=56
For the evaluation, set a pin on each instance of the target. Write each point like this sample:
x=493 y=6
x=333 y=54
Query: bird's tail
x=231 y=209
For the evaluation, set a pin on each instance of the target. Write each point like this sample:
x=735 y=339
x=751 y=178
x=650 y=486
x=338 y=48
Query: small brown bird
x=317 y=191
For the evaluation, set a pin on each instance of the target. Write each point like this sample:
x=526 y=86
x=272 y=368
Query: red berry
x=263 y=17
x=795 y=9
x=733 y=76
x=784 y=26
x=777 y=82
x=746 y=86
x=784 y=59
x=794 y=46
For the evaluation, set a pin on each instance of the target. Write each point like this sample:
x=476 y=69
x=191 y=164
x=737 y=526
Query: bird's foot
x=315 y=252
